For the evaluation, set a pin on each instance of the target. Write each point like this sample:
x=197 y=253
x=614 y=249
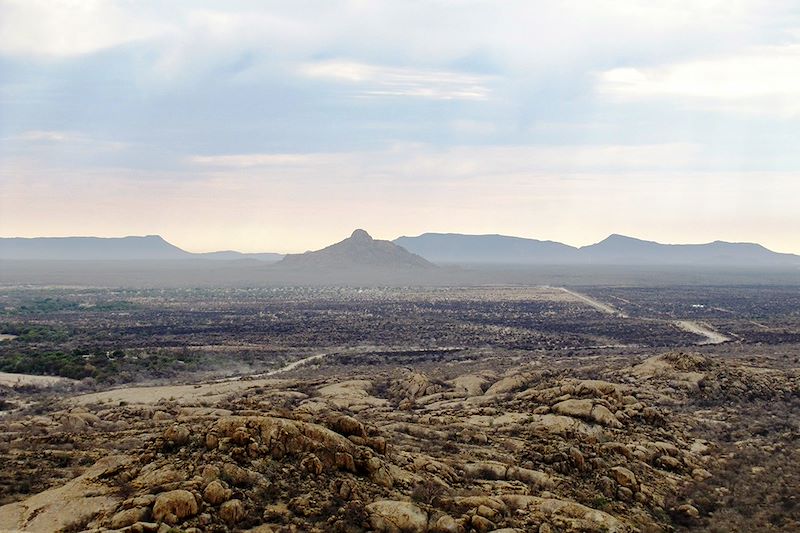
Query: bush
x=428 y=492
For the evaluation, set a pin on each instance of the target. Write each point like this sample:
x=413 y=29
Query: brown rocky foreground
x=458 y=449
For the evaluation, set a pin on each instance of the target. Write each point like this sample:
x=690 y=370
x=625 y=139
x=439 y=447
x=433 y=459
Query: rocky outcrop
x=587 y=410
x=471 y=384
x=567 y=515
x=353 y=395
x=509 y=384
x=278 y=437
x=79 y=501
x=498 y=471
x=413 y=386
x=425 y=453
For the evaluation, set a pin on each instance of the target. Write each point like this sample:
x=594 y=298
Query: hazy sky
x=282 y=126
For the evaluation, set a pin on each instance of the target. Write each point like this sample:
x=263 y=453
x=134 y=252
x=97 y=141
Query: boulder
x=145 y=500
x=216 y=493
x=161 y=416
x=526 y=475
x=391 y=516
x=240 y=477
x=574 y=408
x=599 y=388
x=240 y=436
x=508 y=384
x=669 y=463
x=469 y=384
x=177 y=435
x=689 y=511
x=312 y=464
x=155 y=478
x=210 y=473
x=624 y=477
x=446 y=524
x=347 y=425
x=232 y=511
x=473 y=502
x=414 y=385
x=128 y=517
x=482 y=524
x=603 y=416
x=74 y=423
x=587 y=410
x=563 y=425
x=499 y=471
x=485 y=470
x=486 y=512
x=174 y=505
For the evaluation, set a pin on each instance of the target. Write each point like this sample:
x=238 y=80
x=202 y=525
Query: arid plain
x=586 y=408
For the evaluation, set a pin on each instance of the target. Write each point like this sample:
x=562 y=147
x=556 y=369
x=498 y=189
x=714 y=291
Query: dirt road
x=20 y=380
x=206 y=393
x=698 y=328
x=692 y=326
x=600 y=306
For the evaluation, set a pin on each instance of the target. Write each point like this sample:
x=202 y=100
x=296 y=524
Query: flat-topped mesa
x=616 y=249
x=149 y=247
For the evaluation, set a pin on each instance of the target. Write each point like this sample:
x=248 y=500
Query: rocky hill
x=467 y=448
x=359 y=251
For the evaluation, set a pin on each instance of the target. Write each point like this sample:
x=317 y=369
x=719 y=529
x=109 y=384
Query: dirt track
x=712 y=337
x=17 y=380
x=205 y=393
x=600 y=306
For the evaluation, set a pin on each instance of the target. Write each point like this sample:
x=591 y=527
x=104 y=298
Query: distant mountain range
x=360 y=251
x=232 y=255
x=453 y=248
x=621 y=250
x=147 y=248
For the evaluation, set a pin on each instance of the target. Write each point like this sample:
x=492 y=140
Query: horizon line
x=169 y=241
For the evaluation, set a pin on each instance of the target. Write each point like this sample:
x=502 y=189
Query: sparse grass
x=758 y=487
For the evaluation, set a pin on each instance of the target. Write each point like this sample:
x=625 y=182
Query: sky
x=282 y=126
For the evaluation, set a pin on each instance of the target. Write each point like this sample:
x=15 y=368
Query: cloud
x=374 y=80
x=263 y=160
x=761 y=80
x=66 y=139
x=65 y=28
x=47 y=136
x=517 y=35
x=421 y=162
x=464 y=115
